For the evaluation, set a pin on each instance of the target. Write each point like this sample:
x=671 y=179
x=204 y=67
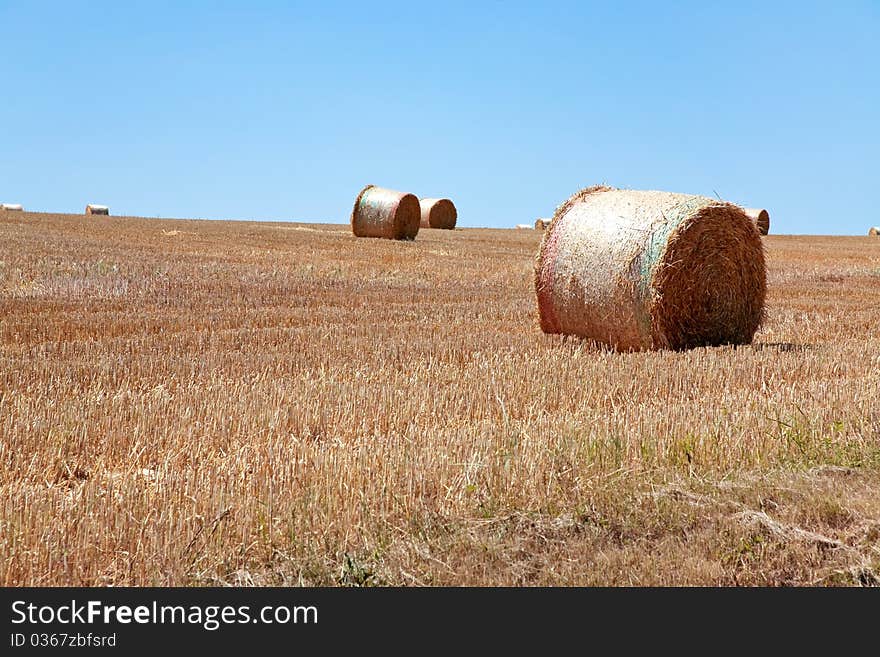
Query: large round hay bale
x=380 y=212
x=761 y=218
x=874 y=231
x=438 y=213
x=650 y=270
x=91 y=208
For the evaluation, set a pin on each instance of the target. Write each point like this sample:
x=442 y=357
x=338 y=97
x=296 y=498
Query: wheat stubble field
x=208 y=403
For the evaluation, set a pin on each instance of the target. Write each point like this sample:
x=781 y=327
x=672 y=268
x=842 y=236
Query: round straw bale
x=541 y=224
x=874 y=231
x=380 y=212
x=97 y=209
x=650 y=270
x=438 y=213
x=761 y=218
x=12 y=207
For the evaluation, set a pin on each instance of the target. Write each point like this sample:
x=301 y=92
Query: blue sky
x=284 y=110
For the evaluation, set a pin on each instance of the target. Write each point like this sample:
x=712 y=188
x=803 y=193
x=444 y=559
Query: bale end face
x=438 y=213
x=710 y=286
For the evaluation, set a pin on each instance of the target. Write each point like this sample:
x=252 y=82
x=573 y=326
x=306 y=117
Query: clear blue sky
x=284 y=110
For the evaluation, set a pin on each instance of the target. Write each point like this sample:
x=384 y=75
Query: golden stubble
x=196 y=402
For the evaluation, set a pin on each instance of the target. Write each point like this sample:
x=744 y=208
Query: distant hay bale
x=523 y=226
x=380 y=212
x=97 y=209
x=761 y=218
x=438 y=213
x=650 y=270
x=11 y=207
x=541 y=224
x=874 y=231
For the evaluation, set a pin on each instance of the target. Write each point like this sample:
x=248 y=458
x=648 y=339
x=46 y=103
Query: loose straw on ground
x=380 y=212
x=650 y=270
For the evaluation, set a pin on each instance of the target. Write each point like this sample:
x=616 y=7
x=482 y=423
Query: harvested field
x=198 y=403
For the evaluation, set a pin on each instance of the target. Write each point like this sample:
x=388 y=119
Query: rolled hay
x=541 y=224
x=380 y=212
x=650 y=270
x=438 y=213
x=97 y=209
x=761 y=218
x=523 y=227
x=874 y=231
x=11 y=207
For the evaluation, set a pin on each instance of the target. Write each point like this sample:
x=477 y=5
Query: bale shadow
x=783 y=346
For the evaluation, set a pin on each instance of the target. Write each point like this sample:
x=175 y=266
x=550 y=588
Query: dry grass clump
x=438 y=213
x=650 y=270
x=761 y=218
x=380 y=212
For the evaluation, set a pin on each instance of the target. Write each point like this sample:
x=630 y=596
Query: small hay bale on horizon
x=874 y=230
x=438 y=213
x=541 y=224
x=761 y=218
x=523 y=227
x=92 y=208
x=386 y=213
x=651 y=270
x=11 y=207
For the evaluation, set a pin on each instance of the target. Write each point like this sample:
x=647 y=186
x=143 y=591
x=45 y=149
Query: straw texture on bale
x=380 y=212
x=650 y=270
x=761 y=218
x=874 y=231
x=97 y=209
x=438 y=213
x=541 y=224
x=12 y=207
